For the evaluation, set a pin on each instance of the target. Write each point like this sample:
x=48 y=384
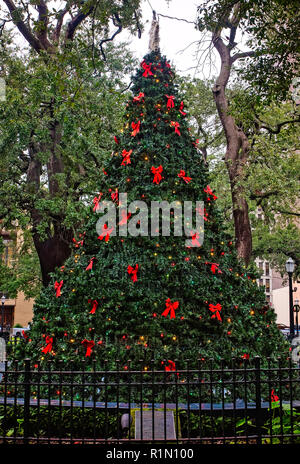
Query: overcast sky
x=179 y=40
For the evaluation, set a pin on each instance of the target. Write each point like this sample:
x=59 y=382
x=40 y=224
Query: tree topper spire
x=154 y=34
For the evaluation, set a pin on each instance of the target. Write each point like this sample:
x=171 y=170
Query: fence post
x=27 y=398
x=258 y=399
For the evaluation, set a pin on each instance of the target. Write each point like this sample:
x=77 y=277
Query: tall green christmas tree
x=148 y=296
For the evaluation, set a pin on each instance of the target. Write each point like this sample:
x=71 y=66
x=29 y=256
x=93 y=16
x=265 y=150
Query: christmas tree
x=131 y=290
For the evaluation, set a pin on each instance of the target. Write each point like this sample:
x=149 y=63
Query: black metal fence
x=248 y=402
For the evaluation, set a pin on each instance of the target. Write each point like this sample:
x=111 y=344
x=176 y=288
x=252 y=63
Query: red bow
x=126 y=157
x=170 y=308
x=90 y=265
x=147 y=69
x=182 y=174
x=170 y=367
x=88 y=344
x=114 y=195
x=214 y=268
x=48 y=347
x=96 y=201
x=215 y=309
x=208 y=190
x=105 y=233
x=116 y=139
x=139 y=97
x=95 y=305
x=274 y=397
x=24 y=334
x=133 y=272
x=176 y=125
x=195 y=237
x=170 y=102
x=181 y=108
x=57 y=287
x=135 y=128
x=125 y=218
x=157 y=174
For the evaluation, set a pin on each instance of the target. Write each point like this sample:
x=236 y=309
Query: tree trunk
x=236 y=153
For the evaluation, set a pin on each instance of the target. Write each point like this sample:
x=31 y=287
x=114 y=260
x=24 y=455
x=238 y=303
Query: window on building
x=268 y=298
x=261 y=282
x=267 y=269
x=267 y=285
x=261 y=265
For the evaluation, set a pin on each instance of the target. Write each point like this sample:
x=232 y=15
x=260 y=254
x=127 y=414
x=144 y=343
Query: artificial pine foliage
x=143 y=298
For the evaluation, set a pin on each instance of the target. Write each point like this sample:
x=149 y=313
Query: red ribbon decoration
x=202 y=212
x=105 y=233
x=170 y=367
x=57 y=287
x=126 y=157
x=48 y=347
x=274 y=397
x=176 y=126
x=139 y=97
x=170 y=308
x=181 y=108
x=95 y=305
x=133 y=272
x=195 y=237
x=115 y=195
x=88 y=344
x=170 y=102
x=96 y=201
x=125 y=218
x=135 y=128
x=90 y=265
x=183 y=176
x=208 y=190
x=116 y=139
x=215 y=309
x=147 y=69
x=157 y=174
x=214 y=267
x=77 y=244
x=24 y=334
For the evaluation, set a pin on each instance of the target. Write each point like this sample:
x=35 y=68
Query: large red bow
x=195 y=237
x=88 y=344
x=147 y=69
x=181 y=108
x=157 y=174
x=170 y=308
x=208 y=190
x=96 y=201
x=139 y=97
x=171 y=366
x=95 y=305
x=135 y=128
x=274 y=397
x=184 y=177
x=133 y=272
x=215 y=267
x=215 y=309
x=105 y=233
x=126 y=157
x=176 y=126
x=170 y=102
x=90 y=265
x=48 y=347
x=57 y=287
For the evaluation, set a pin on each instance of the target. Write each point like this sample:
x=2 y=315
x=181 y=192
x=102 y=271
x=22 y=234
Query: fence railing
x=243 y=402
